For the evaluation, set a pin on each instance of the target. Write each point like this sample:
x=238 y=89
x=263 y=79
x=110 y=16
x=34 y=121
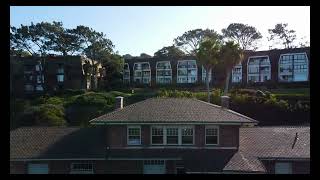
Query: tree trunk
x=208 y=85
x=227 y=83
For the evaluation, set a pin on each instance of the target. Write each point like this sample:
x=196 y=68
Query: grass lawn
x=292 y=91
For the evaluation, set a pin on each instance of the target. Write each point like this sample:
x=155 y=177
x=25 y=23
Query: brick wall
x=124 y=167
x=117 y=135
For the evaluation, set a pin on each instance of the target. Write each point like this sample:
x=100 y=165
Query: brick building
x=257 y=67
x=163 y=135
x=35 y=75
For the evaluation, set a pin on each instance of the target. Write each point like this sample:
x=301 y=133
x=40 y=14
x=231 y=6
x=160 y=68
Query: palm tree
x=231 y=54
x=208 y=55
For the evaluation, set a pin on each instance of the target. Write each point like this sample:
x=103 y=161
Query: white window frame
x=141 y=77
x=218 y=134
x=126 y=70
x=72 y=171
x=269 y=73
x=307 y=64
x=193 y=134
x=129 y=127
x=164 y=129
x=164 y=134
x=172 y=127
x=157 y=81
x=196 y=68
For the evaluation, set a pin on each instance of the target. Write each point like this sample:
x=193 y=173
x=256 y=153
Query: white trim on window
x=164 y=130
x=170 y=68
x=293 y=68
x=133 y=127
x=142 y=71
x=259 y=74
x=188 y=80
x=205 y=134
x=126 y=70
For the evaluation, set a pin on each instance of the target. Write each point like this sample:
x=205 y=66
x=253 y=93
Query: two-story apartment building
x=163 y=135
x=257 y=67
x=36 y=75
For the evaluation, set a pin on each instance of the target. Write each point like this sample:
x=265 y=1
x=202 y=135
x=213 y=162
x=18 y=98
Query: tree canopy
x=280 y=32
x=190 y=40
x=246 y=36
x=169 y=51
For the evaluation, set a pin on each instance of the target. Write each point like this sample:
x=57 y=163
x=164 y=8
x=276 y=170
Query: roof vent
x=119 y=102
x=225 y=101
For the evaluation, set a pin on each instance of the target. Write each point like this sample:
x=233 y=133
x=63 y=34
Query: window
x=126 y=73
x=40 y=78
x=168 y=135
x=258 y=68
x=142 y=72
x=60 y=78
x=187 y=135
x=60 y=69
x=283 y=168
x=134 y=135
x=157 y=135
x=293 y=67
x=163 y=72
x=187 y=71
x=212 y=135
x=39 y=87
x=81 y=168
x=172 y=136
x=28 y=87
x=38 y=67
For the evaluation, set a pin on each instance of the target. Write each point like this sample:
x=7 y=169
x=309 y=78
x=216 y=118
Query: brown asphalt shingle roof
x=173 y=110
x=57 y=143
x=269 y=142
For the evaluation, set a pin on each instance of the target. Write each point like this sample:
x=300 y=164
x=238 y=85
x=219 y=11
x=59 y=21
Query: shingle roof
x=269 y=142
x=173 y=110
x=56 y=143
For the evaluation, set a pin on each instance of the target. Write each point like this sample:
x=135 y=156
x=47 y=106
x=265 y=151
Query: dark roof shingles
x=173 y=110
x=56 y=143
x=269 y=142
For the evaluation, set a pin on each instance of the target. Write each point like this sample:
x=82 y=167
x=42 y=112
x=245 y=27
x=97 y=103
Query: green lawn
x=292 y=91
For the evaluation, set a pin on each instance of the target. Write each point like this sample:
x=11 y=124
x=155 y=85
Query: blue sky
x=146 y=29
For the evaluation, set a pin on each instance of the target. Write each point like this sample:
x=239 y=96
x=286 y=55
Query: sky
x=146 y=29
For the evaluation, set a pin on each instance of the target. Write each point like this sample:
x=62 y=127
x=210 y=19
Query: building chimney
x=225 y=101
x=119 y=102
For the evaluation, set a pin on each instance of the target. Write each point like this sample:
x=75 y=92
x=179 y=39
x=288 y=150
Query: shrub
x=44 y=114
x=55 y=100
x=94 y=99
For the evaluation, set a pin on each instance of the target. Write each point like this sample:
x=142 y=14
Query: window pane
x=211 y=139
x=172 y=139
x=157 y=131
x=187 y=139
x=157 y=139
x=187 y=132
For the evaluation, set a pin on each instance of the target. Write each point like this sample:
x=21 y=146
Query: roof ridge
x=228 y=110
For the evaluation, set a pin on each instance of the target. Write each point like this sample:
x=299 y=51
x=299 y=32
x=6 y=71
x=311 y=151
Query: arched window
x=293 y=67
x=237 y=73
x=259 y=69
x=164 y=72
x=142 y=73
x=126 y=73
x=187 y=71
